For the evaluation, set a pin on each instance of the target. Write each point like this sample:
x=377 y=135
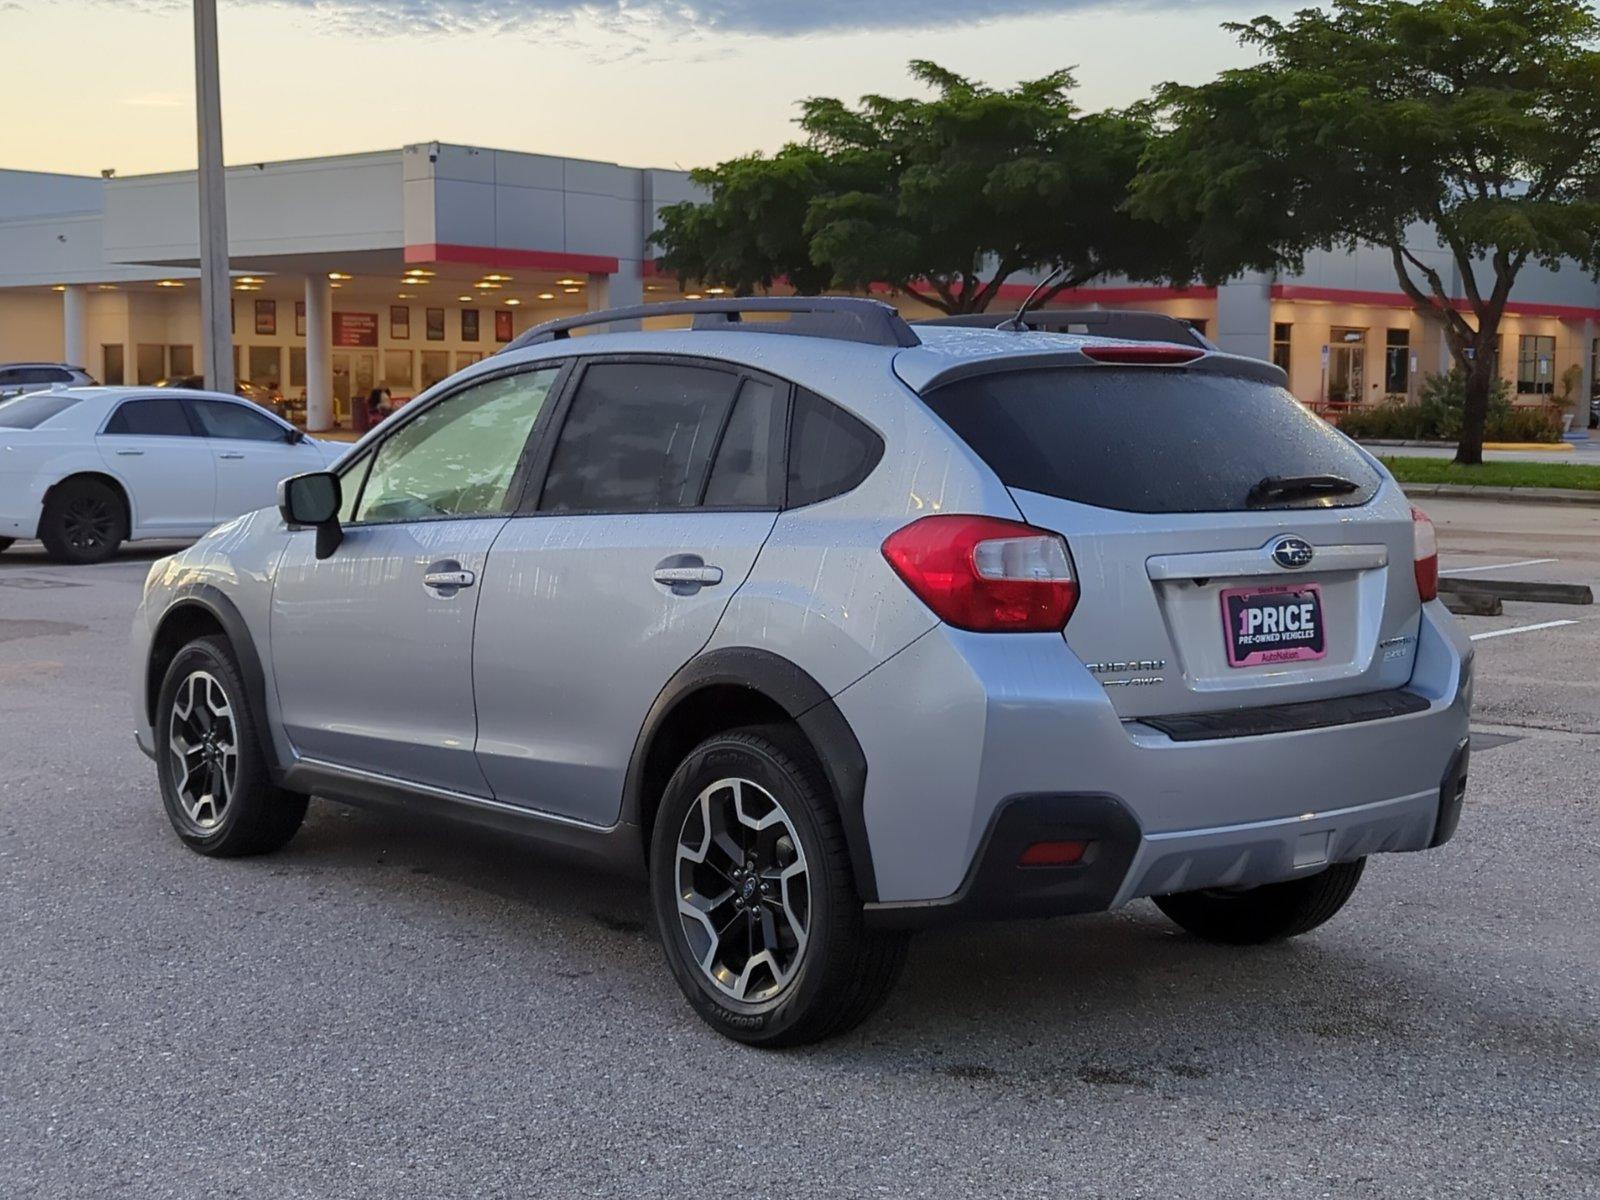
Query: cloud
x=772 y=18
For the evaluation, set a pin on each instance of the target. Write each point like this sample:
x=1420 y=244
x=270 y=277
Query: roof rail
x=1124 y=324
x=842 y=318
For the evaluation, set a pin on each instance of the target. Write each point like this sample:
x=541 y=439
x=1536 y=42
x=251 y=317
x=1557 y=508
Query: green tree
x=1478 y=117
x=944 y=198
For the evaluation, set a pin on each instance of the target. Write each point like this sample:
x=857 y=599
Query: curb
x=1540 y=447
x=1523 y=495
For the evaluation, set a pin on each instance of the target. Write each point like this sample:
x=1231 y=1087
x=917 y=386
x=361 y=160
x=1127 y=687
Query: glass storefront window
x=1536 y=365
x=266 y=366
x=1397 y=362
x=397 y=369
x=435 y=366
x=1281 y=345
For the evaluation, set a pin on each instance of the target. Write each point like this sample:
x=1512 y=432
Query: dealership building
x=398 y=267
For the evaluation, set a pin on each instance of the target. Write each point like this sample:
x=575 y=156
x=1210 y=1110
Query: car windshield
x=32 y=410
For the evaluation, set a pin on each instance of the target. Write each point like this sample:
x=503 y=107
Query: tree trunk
x=1479 y=387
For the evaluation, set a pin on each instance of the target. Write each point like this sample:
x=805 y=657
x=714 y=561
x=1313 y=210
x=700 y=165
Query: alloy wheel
x=204 y=744
x=88 y=523
x=744 y=892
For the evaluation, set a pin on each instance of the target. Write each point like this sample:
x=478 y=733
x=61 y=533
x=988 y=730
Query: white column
x=624 y=289
x=1580 y=409
x=74 y=325
x=319 y=347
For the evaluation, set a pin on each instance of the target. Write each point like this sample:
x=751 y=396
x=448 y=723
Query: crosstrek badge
x=1275 y=624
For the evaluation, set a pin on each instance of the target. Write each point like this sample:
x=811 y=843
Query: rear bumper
x=958 y=725
x=1122 y=863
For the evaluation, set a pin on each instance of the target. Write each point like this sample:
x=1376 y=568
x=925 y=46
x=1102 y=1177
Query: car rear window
x=31 y=411
x=1148 y=439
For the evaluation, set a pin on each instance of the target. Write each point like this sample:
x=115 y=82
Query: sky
x=95 y=84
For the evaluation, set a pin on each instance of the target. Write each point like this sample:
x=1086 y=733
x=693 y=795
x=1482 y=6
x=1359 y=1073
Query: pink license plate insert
x=1275 y=624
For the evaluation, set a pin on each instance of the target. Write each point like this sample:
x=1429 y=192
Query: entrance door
x=355 y=374
x=1347 y=365
x=372 y=646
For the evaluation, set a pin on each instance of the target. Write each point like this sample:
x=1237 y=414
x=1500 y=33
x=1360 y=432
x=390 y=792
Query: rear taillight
x=986 y=574
x=1425 y=554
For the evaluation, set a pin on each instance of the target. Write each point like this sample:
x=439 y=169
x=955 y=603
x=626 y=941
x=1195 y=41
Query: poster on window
x=502 y=324
x=469 y=324
x=435 y=324
x=267 y=317
x=299 y=318
x=355 y=329
x=399 y=322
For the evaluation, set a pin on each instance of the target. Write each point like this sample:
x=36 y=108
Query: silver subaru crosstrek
x=836 y=627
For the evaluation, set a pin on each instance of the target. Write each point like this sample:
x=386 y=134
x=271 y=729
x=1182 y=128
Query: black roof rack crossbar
x=842 y=318
x=1124 y=324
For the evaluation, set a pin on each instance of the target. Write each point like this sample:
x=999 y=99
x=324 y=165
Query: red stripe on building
x=1520 y=308
x=496 y=257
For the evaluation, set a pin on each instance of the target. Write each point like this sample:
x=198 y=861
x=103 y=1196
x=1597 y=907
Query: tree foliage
x=945 y=198
x=1478 y=117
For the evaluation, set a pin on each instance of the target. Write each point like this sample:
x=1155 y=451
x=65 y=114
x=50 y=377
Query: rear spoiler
x=1122 y=324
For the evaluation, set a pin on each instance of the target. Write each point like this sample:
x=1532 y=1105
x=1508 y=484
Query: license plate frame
x=1279 y=639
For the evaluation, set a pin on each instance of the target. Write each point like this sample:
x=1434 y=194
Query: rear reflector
x=986 y=574
x=1052 y=854
x=1425 y=554
x=1143 y=354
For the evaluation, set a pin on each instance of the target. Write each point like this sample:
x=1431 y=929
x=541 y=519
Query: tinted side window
x=745 y=474
x=830 y=451
x=151 y=418
x=460 y=457
x=219 y=419
x=638 y=438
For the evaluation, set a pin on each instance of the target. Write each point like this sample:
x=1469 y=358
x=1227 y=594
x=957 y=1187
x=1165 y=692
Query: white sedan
x=85 y=469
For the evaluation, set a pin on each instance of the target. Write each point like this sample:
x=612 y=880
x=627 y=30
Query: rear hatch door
x=1201 y=589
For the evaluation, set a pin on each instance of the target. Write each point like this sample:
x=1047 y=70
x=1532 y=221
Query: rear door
x=1202 y=586
x=152 y=444
x=252 y=453
x=662 y=484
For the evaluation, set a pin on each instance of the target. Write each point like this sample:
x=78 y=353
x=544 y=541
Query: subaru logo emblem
x=1292 y=552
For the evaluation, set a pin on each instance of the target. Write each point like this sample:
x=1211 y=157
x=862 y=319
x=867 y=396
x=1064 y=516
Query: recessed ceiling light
x=419 y=273
x=512 y=302
x=105 y=287
x=405 y=296
x=337 y=275
x=498 y=278
x=571 y=290
x=465 y=299
x=168 y=283
x=654 y=287
x=568 y=282
x=691 y=295
x=60 y=287
x=547 y=295
x=483 y=285
x=715 y=291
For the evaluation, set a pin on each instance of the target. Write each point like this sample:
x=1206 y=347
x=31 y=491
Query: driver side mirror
x=312 y=501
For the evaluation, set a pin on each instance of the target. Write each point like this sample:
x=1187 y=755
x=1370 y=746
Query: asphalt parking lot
x=394 y=1008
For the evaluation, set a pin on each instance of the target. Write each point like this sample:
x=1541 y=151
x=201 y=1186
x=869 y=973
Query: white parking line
x=1478 y=637
x=1526 y=562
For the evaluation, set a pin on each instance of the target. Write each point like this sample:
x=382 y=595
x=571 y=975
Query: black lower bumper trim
x=1288 y=718
x=997 y=887
x=1452 y=792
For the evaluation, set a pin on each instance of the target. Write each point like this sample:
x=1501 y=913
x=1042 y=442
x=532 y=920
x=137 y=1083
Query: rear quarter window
x=830 y=451
x=1147 y=439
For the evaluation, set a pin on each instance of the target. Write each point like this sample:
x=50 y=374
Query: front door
x=372 y=646
x=152 y=445
x=619 y=578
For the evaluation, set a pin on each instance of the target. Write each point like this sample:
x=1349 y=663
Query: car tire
x=218 y=793
x=1268 y=913
x=823 y=972
x=84 y=521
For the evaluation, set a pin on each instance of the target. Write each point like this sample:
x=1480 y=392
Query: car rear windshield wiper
x=1282 y=487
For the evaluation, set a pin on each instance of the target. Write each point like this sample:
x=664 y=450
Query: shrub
x=1439 y=414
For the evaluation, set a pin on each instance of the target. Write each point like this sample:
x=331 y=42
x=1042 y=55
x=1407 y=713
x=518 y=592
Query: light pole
x=216 y=297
